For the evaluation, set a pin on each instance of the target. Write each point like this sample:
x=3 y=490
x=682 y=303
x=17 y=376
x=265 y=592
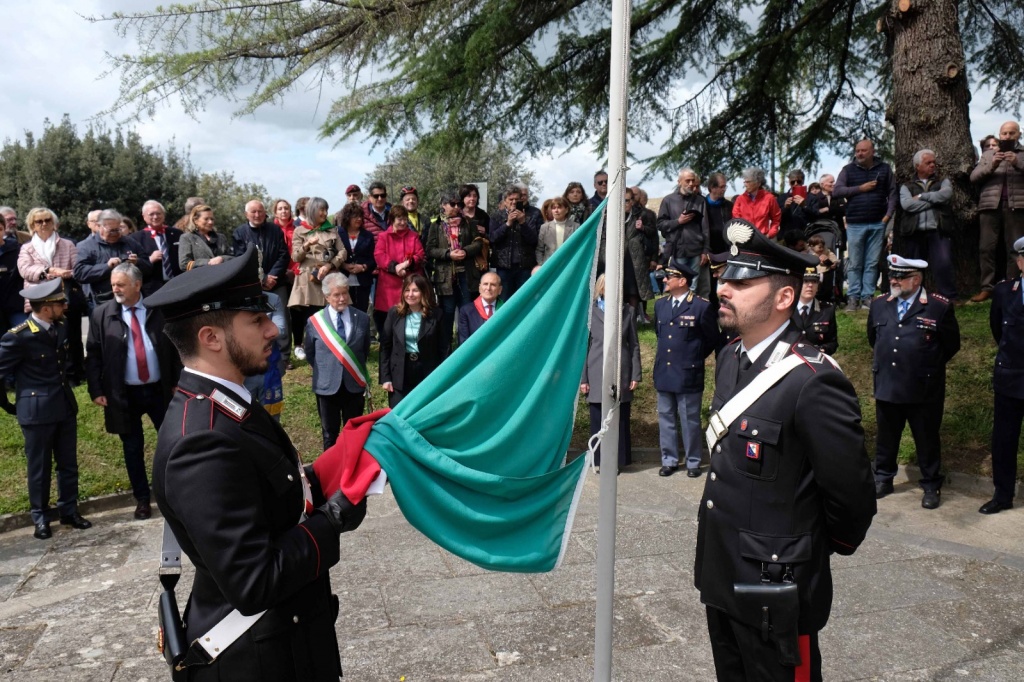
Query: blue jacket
x=867 y=207
x=685 y=339
x=39 y=364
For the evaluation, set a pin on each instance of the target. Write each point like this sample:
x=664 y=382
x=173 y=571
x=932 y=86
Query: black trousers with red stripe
x=741 y=654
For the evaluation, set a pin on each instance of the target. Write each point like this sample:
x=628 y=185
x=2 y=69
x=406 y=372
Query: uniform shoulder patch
x=21 y=327
x=939 y=297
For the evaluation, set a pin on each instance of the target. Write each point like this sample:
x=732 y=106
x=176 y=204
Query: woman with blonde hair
x=201 y=244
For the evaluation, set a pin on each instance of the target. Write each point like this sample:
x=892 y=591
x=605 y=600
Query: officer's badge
x=754 y=451
x=743 y=425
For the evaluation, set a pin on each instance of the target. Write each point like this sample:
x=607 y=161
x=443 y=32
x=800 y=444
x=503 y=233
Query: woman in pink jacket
x=398 y=253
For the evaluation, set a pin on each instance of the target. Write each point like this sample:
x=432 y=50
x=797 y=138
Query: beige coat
x=991 y=180
x=328 y=249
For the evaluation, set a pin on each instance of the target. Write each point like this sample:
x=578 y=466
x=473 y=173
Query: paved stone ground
x=929 y=596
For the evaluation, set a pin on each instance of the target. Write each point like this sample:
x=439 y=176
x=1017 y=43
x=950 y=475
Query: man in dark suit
x=273 y=252
x=233 y=491
x=132 y=369
x=789 y=482
x=157 y=244
x=473 y=315
x=687 y=329
x=337 y=342
x=1006 y=319
x=36 y=353
x=815 y=320
x=914 y=334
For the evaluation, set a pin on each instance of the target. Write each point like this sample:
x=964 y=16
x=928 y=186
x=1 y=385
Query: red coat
x=392 y=249
x=763 y=211
x=288 y=231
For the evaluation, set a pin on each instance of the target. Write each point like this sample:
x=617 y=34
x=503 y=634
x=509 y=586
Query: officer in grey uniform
x=36 y=352
x=1006 y=319
x=789 y=482
x=914 y=333
x=687 y=330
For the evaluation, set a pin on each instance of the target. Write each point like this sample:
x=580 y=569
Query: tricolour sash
x=340 y=349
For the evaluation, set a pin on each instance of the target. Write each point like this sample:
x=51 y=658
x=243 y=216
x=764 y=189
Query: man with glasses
x=914 y=334
x=600 y=188
x=683 y=222
x=10 y=225
x=376 y=210
x=36 y=353
x=410 y=199
x=98 y=256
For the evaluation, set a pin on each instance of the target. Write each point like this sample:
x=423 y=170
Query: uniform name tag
x=228 y=404
x=754 y=451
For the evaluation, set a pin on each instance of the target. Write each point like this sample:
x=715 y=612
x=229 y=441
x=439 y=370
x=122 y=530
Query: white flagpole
x=610 y=390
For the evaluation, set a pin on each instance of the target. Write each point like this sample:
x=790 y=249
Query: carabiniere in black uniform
x=229 y=484
x=789 y=484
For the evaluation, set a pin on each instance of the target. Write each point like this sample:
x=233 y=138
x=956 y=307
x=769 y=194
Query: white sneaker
x=300 y=352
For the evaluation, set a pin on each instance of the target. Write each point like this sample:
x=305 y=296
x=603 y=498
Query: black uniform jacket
x=434 y=343
x=227 y=481
x=40 y=367
x=911 y=354
x=820 y=330
x=789 y=483
x=107 y=356
x=685 y=339
x=1006 y=319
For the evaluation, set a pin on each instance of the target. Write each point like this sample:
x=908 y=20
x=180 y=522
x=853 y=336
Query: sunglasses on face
x=378 y=196
x=44 y=221
x=601 y=182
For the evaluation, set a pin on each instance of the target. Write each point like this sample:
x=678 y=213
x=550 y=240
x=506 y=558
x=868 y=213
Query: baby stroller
x=831 y=289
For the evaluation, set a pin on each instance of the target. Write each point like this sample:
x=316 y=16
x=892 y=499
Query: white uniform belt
x=719 y=421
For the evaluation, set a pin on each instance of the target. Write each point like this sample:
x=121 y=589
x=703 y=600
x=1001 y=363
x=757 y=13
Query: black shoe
x=694 y=473
x=930 y=499
x=668 y=470
x=143 y=510
x=75 y=520
x=882 y=488
x=42 y=530
x=994 y=506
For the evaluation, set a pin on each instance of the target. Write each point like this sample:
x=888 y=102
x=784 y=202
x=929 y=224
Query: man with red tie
x=132 y=370
x=473 y=315
x=158 y=245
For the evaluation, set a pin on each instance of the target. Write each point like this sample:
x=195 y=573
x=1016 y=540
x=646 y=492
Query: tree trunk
x=929 y=110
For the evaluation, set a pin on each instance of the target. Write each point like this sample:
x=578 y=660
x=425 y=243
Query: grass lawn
x=966 y=427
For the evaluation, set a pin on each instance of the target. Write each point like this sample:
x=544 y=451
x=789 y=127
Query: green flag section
x=476 y=453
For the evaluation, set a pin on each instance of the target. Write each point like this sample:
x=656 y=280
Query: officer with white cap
x=1006 y=319
x=914 y=334
x=36 y=352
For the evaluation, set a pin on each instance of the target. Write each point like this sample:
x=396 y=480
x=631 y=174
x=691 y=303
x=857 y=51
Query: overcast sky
x=52 y=64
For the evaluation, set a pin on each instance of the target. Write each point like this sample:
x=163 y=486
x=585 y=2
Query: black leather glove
x=343 y=515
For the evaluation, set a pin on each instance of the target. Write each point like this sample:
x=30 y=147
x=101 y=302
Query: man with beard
x=36 y=353
x=231 y=487
x=132 y=369
x=789 y=482
x=683 y=222
x=914 y=334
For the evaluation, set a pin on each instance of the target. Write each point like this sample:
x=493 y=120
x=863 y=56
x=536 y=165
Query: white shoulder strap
x=718 y=424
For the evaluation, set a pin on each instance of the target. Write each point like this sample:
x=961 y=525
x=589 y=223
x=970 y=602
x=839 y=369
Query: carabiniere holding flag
x=789 y=482
x=234 y=493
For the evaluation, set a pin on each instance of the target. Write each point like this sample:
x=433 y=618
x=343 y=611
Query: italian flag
x=476 y=454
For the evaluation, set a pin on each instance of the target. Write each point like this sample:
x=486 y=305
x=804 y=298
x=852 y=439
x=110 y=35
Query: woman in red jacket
x=398 y=253
x=757 y=205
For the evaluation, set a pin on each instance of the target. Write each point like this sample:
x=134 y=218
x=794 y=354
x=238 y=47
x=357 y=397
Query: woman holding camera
x=318 y=250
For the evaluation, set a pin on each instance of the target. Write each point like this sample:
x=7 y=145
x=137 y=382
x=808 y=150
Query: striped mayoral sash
x=339 y=348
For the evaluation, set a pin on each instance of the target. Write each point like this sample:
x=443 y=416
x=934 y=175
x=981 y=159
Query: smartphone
x=520 y=205
x=799 y=191
x=1007 y=145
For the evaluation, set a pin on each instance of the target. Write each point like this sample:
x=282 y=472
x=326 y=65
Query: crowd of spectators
x=428 y=275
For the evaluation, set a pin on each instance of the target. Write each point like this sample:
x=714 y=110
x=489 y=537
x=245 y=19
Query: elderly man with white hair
x=337 y=343
x=683 y=222
x=274 y=255
x=158 y=244
x=98 y=256
x=927 y=222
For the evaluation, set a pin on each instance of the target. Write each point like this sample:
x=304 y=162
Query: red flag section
x=346 y=465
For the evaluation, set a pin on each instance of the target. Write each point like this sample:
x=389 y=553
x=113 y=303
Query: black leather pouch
x=172 y=643
x=776 y=607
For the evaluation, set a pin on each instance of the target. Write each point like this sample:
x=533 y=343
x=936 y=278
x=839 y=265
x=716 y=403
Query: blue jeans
x=687 y=406
x=451 y=303
x=864 y=241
